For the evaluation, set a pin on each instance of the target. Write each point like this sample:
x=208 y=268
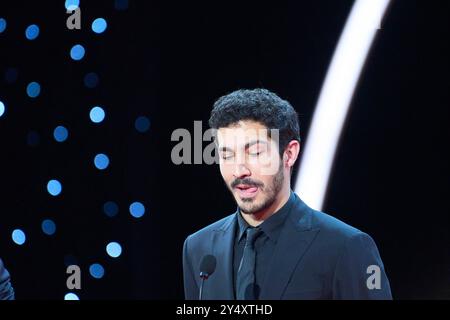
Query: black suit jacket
x=6 y=290
x=316 y=257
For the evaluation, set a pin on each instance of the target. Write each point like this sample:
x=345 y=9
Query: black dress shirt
x=264 y=244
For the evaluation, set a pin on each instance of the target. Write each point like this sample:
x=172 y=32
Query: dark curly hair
x=260 y=105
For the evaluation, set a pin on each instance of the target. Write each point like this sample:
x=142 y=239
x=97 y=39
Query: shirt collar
x=272 y=226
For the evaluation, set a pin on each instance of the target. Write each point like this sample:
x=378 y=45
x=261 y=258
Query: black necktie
x=246 y=272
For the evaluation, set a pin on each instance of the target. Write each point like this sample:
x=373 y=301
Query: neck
x=255 y=219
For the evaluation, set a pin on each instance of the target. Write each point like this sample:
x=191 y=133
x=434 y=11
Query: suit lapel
x=223 y=243
x=292 y=244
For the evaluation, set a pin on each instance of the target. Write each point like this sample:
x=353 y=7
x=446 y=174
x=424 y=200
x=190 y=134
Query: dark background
x=169 y=61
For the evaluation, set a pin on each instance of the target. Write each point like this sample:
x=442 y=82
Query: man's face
x=250 y=165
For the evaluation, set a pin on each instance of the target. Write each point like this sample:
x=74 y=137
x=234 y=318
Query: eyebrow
x=247 y=145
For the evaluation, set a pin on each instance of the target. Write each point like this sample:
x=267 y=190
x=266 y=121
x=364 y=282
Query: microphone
x=207 y=267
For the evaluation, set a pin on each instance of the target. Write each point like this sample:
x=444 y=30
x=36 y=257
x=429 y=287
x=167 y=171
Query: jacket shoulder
x=334 y=226
x=336 y=231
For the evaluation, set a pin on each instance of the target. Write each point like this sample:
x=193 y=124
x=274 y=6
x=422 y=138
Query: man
x=6 y=290
x=274 y=246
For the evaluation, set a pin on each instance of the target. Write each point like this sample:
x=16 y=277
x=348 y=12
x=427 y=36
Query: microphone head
x=207 y=266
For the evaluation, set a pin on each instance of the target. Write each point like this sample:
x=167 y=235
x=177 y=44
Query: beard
x=268 y=192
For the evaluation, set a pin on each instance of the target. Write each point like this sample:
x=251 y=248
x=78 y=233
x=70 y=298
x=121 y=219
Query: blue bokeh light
x=91 y=80
x=71 y=296
x=97 y=114
x=99 y=25
x=48 y=227
x=142 y=124
x=18 y=236
x=2 y=25
x=54 y=187
x=101 y=161
x=60 y=133
x=114 y=249
x=77 y=52
x=110 y=208
x=72 y=4
x=2 y=108
x=97 y=271
x=137 y=209
x=33 y=89
x=32 y=32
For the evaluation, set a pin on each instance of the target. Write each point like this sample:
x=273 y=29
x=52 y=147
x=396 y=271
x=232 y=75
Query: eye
x=226 y=156
x=255 y=153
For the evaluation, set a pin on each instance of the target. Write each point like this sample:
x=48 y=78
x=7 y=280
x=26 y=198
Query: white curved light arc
x=335 y=98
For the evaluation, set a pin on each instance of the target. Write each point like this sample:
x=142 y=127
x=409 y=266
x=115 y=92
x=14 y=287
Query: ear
x=291 y=153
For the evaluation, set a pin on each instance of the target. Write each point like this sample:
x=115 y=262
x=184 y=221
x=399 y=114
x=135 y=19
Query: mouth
x=246 y=191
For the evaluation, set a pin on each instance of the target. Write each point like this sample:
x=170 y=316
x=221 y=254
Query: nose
x=241 y=171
